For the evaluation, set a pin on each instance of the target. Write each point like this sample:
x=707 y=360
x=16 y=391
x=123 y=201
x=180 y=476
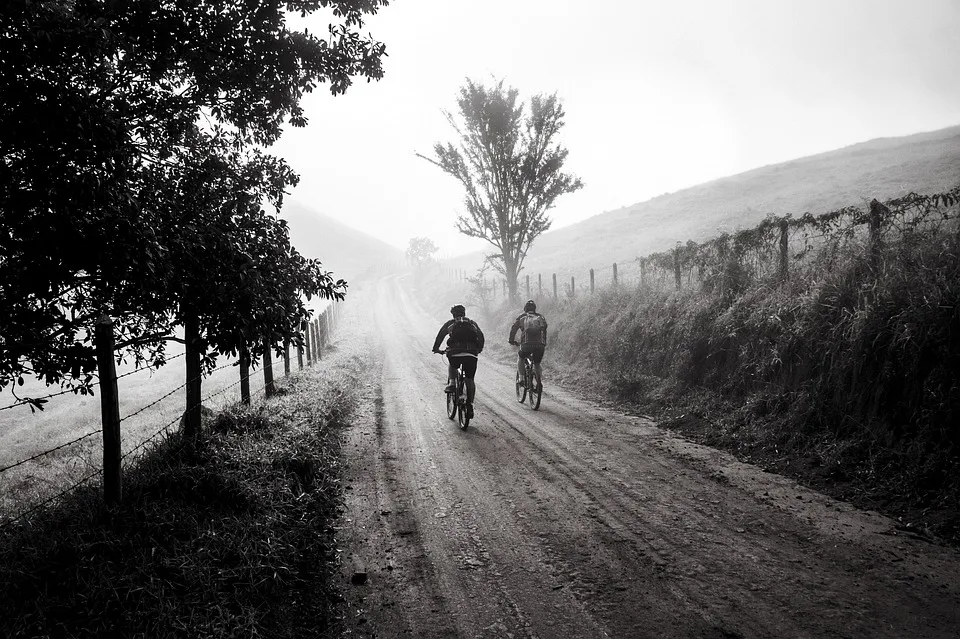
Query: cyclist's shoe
x=469 y=411
x=450 y=388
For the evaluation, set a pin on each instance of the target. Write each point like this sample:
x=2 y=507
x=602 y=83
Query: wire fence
x=313 y=344
x=80 y=390
x=779 y=248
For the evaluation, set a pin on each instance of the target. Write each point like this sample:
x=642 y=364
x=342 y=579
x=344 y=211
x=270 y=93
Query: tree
x=95 y=99
x=232 y=278
x=510 y=164
x=420 y=250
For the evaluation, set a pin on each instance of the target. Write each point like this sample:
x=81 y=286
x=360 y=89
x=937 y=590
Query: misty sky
x=659 y=96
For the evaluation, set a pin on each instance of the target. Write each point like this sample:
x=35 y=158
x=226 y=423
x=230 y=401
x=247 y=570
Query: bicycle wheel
x=536 y=390
x=462 y=405
x=451 y=405
x=521 y=389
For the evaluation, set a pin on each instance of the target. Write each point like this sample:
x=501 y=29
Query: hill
x=345 y=251
x=882 y=168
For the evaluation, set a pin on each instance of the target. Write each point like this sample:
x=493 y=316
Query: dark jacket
x=453 y=348
x=518 y=326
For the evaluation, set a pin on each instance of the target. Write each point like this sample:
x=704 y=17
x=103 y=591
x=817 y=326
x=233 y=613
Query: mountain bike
x=457 y=400
x=530 y=386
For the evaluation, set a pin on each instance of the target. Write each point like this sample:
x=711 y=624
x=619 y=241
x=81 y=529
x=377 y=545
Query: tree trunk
x=109 y=410
x=269 y=387
x=511 y=273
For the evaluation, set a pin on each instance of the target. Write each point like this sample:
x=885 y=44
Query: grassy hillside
x=347 y=252
x=884 y=168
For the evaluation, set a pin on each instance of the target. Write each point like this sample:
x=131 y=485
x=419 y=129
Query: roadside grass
x=847 y=380
x=233 y=540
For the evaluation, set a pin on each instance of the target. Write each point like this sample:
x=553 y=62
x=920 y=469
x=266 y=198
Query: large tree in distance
x=510 y=163
x=420 y=249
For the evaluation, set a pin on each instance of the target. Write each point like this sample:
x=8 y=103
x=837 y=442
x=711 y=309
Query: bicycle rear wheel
x=452 y=405
x=462 y=403
x=536 y=390
x=521 y=389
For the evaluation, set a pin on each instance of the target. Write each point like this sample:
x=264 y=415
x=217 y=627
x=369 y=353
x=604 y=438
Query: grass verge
x=847 y=381
x=234 y=540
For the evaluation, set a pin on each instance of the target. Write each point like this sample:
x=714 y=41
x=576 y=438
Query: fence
x=777 y=249
x=317 y=335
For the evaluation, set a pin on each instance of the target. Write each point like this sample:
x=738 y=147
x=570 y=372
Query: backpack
x=463 y=331
x=533 y=326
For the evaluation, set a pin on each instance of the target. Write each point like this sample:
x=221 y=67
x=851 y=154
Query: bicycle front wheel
x=521 y=389
x=536 y=390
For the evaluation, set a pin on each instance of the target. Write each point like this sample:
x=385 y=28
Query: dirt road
x=576 y=521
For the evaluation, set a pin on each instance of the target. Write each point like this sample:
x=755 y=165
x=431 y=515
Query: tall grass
x=857 y=366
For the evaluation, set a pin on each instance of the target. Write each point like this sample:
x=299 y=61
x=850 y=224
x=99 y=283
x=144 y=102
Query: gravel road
x=578 y=521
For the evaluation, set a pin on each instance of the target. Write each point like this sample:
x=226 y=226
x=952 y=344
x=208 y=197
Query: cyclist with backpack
x=533 y=336
x=464 y=344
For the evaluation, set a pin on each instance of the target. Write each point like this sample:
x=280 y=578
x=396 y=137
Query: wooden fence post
x=615 y=274
x=539 y=284
x=504 y=288
x=676 y=266
x=784 y=238
x=286 y=357
x=244 y=376
x=191 y=416
x=109 y=409
x=528 y=287
x=591 y=281
x=554 y=286
x=877 y=210
x=268 y=386
x=573 y=287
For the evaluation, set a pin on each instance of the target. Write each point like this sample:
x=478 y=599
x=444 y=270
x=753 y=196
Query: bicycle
x=457 y=400
x=531 y=386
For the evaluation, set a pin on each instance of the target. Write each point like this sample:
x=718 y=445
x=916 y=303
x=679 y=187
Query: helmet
x=530 y=306
x=458 y=310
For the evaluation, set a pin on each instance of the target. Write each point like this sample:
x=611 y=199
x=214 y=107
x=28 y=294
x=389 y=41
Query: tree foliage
x=510 y=164
x=103 y=165
x=420 y=249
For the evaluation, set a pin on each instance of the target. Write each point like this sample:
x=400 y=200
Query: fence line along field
x=778 y=248
x=44 y=452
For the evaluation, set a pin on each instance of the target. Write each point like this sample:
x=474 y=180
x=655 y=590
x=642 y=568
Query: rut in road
x=578 y=521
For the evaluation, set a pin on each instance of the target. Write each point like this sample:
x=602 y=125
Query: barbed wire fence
x=779 y=248
x=317 y=335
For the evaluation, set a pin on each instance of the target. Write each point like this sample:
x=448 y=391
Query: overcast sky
x=659 y=96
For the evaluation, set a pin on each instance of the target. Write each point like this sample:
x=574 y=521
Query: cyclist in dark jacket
x=533 y=336
x=464 y=344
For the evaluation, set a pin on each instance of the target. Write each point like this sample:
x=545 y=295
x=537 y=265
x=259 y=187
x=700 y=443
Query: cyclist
x=464 y=344
x=533 y=337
